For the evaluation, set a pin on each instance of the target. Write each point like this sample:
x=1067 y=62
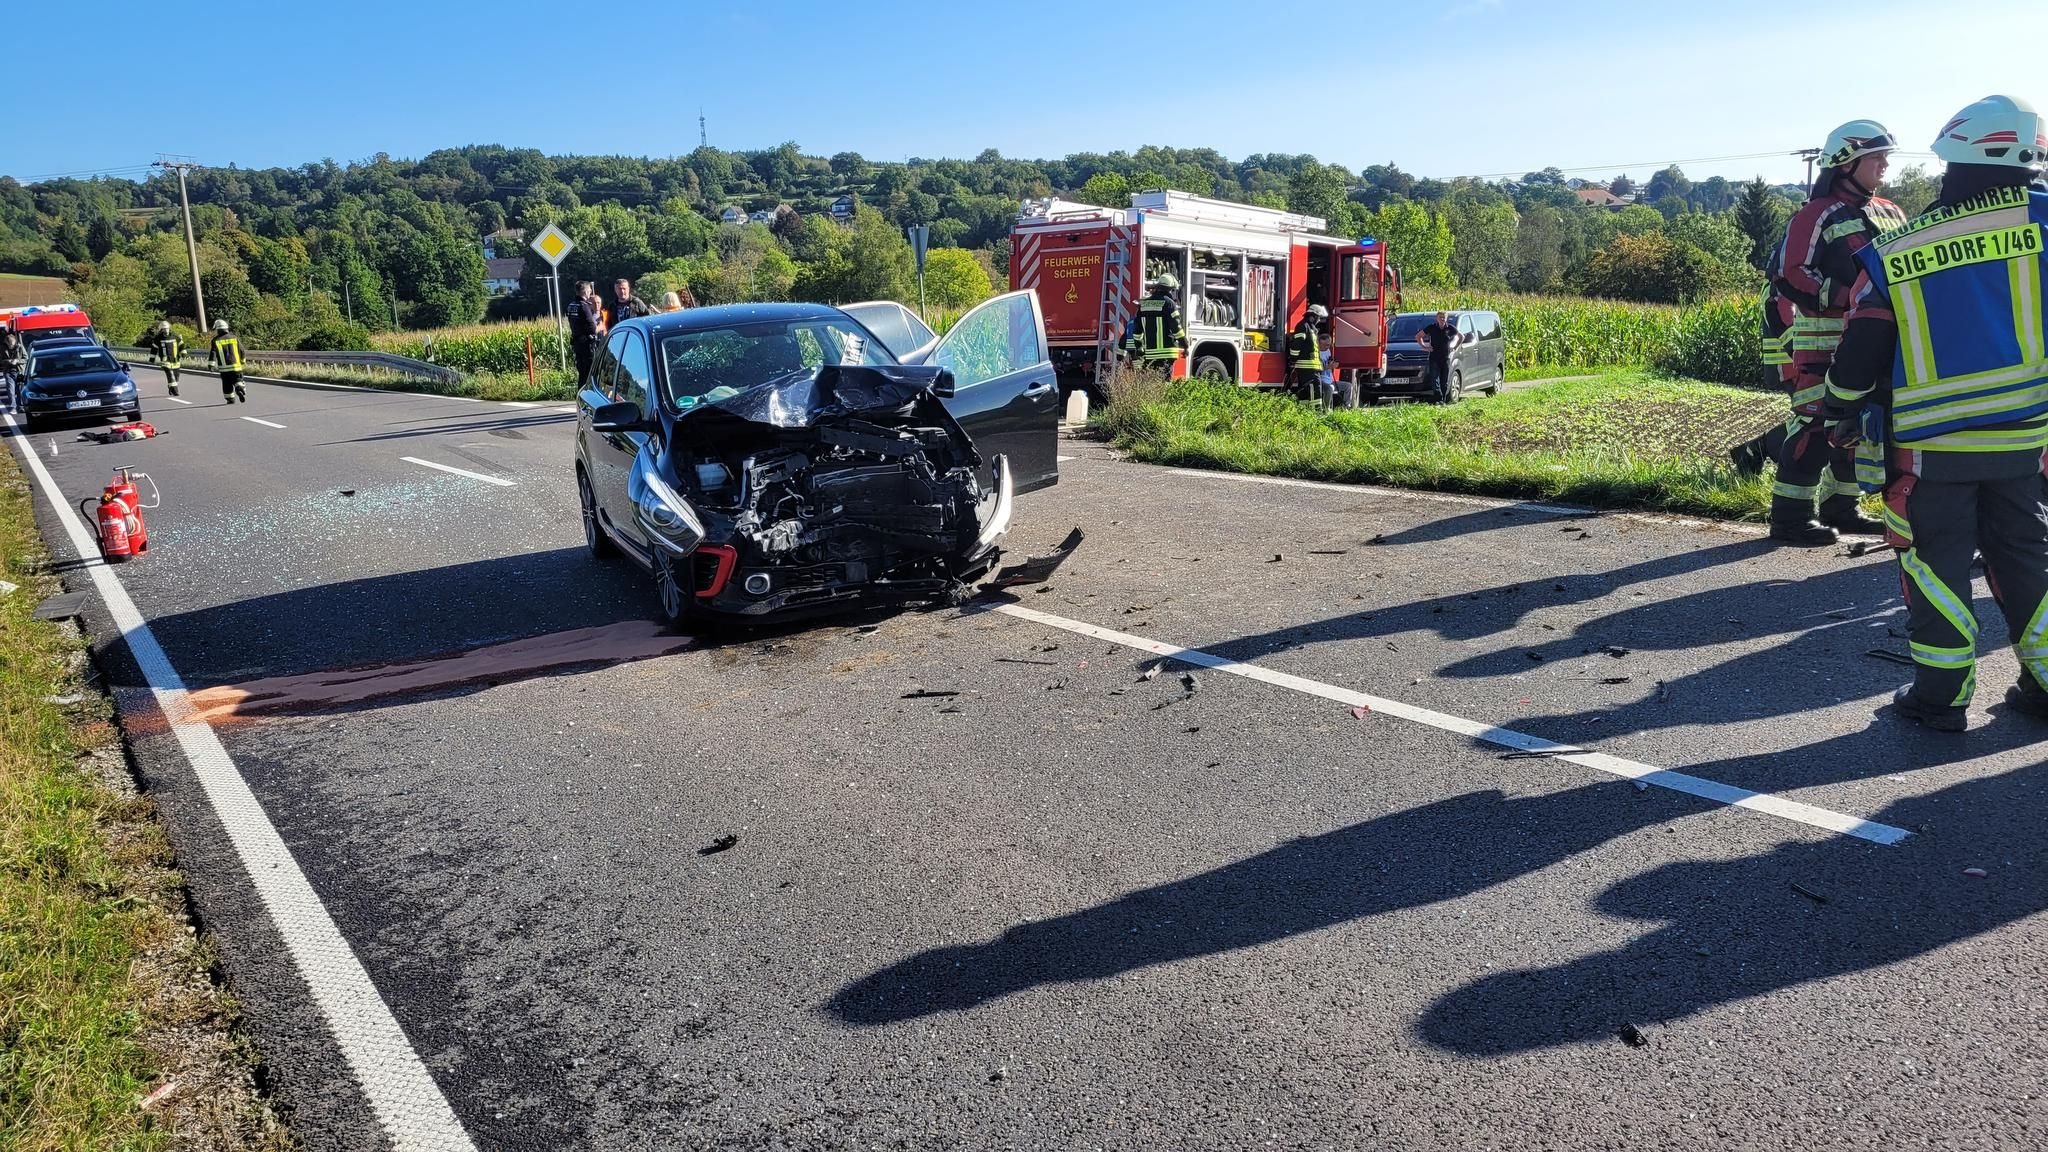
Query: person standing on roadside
x=1811 y=273
x=1440 y=336
x=624 y=305
x=586 y=328
x=1943 y=366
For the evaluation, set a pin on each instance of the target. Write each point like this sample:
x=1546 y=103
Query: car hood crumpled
x=829 y=395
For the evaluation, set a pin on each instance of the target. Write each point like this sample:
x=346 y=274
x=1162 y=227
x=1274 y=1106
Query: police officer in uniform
x=226 y=353
x=1155 y=337
x=165 y=349
x=1945 y=358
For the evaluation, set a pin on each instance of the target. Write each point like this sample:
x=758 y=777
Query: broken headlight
x=667 y=519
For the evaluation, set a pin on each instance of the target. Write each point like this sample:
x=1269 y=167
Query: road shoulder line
x=401 y=1092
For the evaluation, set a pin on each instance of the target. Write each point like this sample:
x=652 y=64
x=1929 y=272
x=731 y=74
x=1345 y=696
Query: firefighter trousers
x=1808 y=468
x=1939 y=529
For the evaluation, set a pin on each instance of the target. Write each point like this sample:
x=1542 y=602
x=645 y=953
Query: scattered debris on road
x=162 y=1093
x=348 y=491
x=927 y=694
x=1535 y=656
x=1633 y=1036
x=1894 y=657
x=1276 y=558
x=722 y=844
x=1039 y=569
x=1151 y=672
x=1360 y=712
x=1328 y=551
x=1378 y=538
x=1809 y=893
x=1189 y=681
x=1663 y=690
x=1615 y=650
x=1016 y=660
x=1975 y=873
x=1864 y=547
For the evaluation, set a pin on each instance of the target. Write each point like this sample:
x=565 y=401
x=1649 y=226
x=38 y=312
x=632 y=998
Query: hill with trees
x=321 y=253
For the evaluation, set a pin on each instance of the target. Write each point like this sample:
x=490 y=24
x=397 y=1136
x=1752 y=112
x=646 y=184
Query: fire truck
x=1247 y=275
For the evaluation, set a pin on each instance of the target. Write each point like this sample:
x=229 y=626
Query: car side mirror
x=944 y=387
x=623 y=416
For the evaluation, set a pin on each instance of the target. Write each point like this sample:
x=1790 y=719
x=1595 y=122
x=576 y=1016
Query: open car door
x=899 y=329
x=1358 y=317
x=1005 y=393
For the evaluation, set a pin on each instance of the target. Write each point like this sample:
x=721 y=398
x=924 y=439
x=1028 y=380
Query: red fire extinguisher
x=119 y=516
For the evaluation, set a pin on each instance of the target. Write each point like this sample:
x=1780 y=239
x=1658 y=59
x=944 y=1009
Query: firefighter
x=1305 y=355
x=165 y=349
x=1945 y=362
x=227 y=353
x=1155 y=337
x=1811 y=273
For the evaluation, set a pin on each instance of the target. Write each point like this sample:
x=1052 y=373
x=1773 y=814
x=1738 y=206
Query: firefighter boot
x=1935 y=716
x=1748 y=458
x=1842 y=514
x=241 y=394
x=1802 y=534
x=2027 y=698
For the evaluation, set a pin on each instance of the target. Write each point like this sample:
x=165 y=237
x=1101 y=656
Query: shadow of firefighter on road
x=1468 y=843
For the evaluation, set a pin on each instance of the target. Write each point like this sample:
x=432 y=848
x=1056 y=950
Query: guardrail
x=388 y=361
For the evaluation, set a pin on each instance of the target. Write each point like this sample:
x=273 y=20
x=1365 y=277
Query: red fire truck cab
x=1247 y=275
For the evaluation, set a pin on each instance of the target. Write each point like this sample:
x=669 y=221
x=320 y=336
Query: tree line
x=323 y=253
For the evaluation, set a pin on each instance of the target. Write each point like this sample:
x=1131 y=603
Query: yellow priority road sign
x=553 y=244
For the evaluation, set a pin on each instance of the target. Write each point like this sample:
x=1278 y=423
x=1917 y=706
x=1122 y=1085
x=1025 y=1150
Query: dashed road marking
x=1064 y=459
x=1504 y=737
x=520 y=403
x=265 y=423
x=502 y=483
x=179 y=400
x=400 y=1091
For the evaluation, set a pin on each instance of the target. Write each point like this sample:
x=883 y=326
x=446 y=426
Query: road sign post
x=920 y=240
x=554 y=246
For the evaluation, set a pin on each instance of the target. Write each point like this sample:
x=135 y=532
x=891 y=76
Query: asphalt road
x=1071 y=907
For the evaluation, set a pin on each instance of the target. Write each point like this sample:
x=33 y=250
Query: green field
x=1626 y=439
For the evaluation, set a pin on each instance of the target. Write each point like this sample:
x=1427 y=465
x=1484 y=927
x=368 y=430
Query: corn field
x=487 y=348
x=1717 y=340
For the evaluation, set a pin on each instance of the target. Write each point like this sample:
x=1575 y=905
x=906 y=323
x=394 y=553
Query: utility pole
x=179 y=164
x=703 y=133
x=1810 y=155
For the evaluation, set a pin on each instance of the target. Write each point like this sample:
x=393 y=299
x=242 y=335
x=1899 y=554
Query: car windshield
x=70 y=362
x=1406 y=326
x=38 y=335
x=892 y=324
x=710 y=364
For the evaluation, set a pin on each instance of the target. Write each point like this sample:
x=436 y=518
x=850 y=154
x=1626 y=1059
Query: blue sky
x=1462 y=87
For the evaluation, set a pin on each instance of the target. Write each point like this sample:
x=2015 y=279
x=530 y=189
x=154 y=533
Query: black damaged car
x=764 y=459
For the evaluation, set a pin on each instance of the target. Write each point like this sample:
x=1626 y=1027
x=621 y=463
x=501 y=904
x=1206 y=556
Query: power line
x=1790 y=152
x=83 y=173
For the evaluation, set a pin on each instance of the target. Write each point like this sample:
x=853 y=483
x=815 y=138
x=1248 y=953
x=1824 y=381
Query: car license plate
x=83 y=404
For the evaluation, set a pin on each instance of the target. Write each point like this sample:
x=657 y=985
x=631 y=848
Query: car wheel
x=1212 y=368
x=1452 y=388
x=673 y=594
x=595 y=542
x=1500 y=377
x=30 y=422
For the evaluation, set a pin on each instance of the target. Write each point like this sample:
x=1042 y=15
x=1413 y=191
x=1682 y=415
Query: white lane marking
x=458 y=471
x=520 y=403
x=179 y=400
x=401 y=1093
x=265 y=423
x=1504 y=737
x=1476 y=501
x=571 y=410
x=1063 y=459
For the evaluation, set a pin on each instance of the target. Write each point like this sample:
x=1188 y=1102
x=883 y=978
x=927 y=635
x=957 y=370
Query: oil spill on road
x=607 y=644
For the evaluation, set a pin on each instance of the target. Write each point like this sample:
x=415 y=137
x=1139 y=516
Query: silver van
x=1479 y=363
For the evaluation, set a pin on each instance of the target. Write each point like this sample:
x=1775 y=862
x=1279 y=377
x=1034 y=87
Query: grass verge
x=112 y=1034
x=551 y=385
x=1626 y=440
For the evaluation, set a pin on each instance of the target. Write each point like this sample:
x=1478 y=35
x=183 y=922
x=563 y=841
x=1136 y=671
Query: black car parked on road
x=72 y=379
x=1479 y=362
x=772 y=458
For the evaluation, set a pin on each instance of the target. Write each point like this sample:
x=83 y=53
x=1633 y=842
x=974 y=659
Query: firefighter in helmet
x=1811 y=273
x=1305 y=354
x=226 y=353
x=1155 y=337
x=165 y=349
x=1943 y=360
